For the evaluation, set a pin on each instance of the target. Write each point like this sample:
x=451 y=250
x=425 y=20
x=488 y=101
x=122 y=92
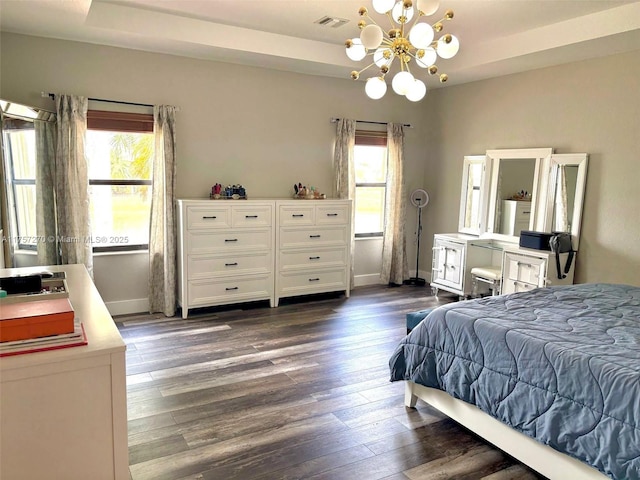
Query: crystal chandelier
x=404 y=42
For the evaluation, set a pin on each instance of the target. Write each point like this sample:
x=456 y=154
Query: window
x=370 y=164
x=119 y=151
x=20 y=144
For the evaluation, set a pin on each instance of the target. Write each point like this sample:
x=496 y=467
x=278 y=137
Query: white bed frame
x=542 y=458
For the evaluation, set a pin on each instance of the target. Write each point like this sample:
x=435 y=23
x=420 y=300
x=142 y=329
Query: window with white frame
x=119 y=151
x=370 y=165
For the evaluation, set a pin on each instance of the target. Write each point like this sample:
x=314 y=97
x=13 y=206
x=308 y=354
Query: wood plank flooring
x=300 y=391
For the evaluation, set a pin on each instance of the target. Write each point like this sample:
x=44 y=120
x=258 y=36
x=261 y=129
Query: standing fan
x=419 y=199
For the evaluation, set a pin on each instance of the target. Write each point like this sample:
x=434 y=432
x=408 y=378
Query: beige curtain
x=4 y=204
x=394 y=255
x=162 y=230
x=72 y=181
x=45 y=131
x=345 y=187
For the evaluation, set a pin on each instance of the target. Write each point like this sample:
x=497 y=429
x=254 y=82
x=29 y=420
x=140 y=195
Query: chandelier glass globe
x=421 y=35
x=375 y=88
x=417 y=90
x=398 y=11
x=428 y=7
x=448 y=50
x=371 y=37
x=429 y=57
x=356 y=51
x=383 y=6
x=401 y=82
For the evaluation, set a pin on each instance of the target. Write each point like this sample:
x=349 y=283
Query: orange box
x=42 y=318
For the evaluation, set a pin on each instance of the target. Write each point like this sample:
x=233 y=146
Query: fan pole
x=417 y=280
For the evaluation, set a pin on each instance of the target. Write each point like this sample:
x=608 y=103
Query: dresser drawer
x=524 y=269
x=251 y=216
x=311 y=258
x=332 y=215
x=228 y=241
x=313 y=237
x=303 y=214
x=207 y=266
x=312 y=282
x=229 y=290
x=208 y=217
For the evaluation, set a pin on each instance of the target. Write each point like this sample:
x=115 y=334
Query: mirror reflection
x=28 y=151
x=514 y=194
x=564 y=198
x=473 y=191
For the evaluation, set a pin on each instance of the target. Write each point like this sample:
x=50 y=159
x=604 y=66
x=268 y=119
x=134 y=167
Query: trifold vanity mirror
x=505 y=192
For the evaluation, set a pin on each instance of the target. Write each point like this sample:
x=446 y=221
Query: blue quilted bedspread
x=560 y=364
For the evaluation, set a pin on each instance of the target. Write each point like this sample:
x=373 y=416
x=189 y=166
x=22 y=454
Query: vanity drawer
x=229 y=290
x=208 y=217
x=332 y=215
x=206 y=266
x=313 y=237
x=312 y=258
x=251 y=216
x=290 y=215
x=228 y=241
x=524 y=269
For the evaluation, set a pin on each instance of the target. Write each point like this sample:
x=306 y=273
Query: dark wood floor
x=301 y=391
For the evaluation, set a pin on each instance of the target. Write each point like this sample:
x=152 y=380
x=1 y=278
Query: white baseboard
x=125 y=307
x=369 y=279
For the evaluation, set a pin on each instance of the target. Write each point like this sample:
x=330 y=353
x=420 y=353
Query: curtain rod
x=335 y=120
x=52 y=96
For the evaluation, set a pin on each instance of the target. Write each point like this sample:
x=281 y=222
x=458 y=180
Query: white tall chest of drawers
x=225 y=252
x=313 y=247
x=233 y=251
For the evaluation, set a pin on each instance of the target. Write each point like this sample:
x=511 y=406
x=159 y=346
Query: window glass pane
x=370 y=164
x=120 y=215
x=118 y=155
x=369 y=215
x=22 y=146
x=25 y=202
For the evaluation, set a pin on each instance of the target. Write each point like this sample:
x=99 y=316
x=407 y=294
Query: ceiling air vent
x=333 y=22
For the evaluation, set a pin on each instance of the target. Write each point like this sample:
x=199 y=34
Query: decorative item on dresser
x=313 y=254
x=261 y=250
x=225 y=252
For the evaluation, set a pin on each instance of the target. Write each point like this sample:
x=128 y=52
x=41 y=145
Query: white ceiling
x=497 y=37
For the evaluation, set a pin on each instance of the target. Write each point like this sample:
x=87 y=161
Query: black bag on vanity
x=560 y=242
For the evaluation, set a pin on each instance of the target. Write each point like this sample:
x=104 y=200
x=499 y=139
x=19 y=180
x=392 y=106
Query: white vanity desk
x=63 y=413
x=489 y=230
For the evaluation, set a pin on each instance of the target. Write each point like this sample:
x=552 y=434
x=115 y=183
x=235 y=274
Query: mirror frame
x=581 y=160
x=495 y=157
x=484 y=187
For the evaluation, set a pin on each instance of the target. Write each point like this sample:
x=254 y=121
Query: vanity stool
x=489 y=275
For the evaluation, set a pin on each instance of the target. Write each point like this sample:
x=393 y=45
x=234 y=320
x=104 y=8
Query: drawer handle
x=526 y=212
x=297 y=215
x=231 y=288
x=314 y=279
x=231 y=240
x=251 y=216
x=231 y=264
x=204 y=218
x=314 y=258
x=522 y=264
x=332 y=214
x=314 y=236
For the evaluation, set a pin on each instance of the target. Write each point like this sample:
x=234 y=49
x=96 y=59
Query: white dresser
x=516 y=216
x=64 y=412
x=525 y=269
x=232 y=251
x=313 y=247
x=225 y=252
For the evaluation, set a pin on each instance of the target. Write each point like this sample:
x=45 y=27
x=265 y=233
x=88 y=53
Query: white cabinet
x=515 y=217
x=524 y=269
x=64 y=412
x=225 y=252
x=454 y=255
x=313 y=247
